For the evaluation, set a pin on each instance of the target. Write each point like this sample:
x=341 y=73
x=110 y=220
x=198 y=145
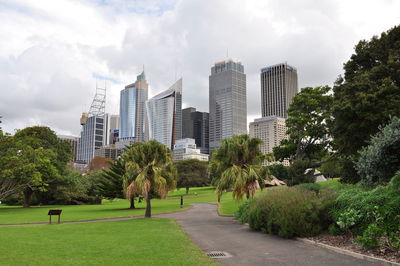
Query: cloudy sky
x=52 y=52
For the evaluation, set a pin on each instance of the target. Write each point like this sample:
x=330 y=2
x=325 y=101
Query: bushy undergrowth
x=289 y=212
x=373 y=216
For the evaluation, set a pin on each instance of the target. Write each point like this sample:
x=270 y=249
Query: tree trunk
x=132 y=202
x=219 y=197
x=247 y=194
x=187 y=190
x=148 y=207
x=27 y=197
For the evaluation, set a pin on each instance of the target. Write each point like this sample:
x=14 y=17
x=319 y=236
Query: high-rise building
x=271 y=130
x=186 y=149
x=133 y=111
x=195 y=125
x=278 y=87
x=227 y=101
x=73 y=142
x=93 y=133
x=164 y=112
x=112 y=128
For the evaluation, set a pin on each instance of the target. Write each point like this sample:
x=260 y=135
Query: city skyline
x=88 y=40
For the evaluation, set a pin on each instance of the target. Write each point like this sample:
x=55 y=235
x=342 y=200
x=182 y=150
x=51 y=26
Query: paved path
x=211 y=232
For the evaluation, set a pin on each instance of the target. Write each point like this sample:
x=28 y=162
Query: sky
x=52 y=53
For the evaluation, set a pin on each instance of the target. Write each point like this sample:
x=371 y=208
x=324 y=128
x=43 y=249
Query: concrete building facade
x=195 y=125
x=271 y=130
x=278 y=87
x=187 y=149
x=109 y=151
x=133 y=118
x=227 y=101
x=164 y=113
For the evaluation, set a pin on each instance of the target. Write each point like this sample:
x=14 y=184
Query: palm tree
x=236 y=165
x=149 y=170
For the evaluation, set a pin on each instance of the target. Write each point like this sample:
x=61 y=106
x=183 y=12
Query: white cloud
x=53 y=49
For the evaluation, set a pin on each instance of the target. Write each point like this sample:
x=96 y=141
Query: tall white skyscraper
x=164 y=112
x=227 y=101
x=278 y=87
x=133 y=112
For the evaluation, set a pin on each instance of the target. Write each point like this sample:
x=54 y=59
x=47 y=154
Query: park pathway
x=211 y=232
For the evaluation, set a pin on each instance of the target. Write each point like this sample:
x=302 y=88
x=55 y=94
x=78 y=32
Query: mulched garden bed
x=347 y=242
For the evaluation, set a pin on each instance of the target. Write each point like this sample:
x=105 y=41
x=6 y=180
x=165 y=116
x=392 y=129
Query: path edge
x=348 y=252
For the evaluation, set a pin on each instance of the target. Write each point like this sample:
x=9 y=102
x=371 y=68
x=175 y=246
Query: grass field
x=118 y=207
x=133 y=242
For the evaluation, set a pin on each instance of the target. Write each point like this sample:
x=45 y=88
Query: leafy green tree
x=237 y=165
x=191 y=173
x=151 y=170
x=380 y=160
x=32 y=158
x=32 y=168
x=9 y=184
x=39 y=136
x=308 y=127
x=369 y=92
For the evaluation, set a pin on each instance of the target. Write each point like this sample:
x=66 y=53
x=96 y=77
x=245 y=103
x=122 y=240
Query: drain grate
x=218 y=254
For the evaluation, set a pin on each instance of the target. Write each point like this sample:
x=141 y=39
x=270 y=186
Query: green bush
x=242 y=212
x=289 y=212
x=380 y=160
x=363 y=212
x=311 y=186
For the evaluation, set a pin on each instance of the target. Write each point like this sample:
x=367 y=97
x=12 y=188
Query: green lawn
x=133 y=242
x=118 y=207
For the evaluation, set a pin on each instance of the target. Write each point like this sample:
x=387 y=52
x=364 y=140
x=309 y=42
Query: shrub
x=289 y=212
x=242 y=213
x=311 y=186
x=364 y=212
x=379 y=161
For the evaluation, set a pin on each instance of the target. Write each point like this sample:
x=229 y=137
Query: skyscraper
x=278 y=87
x=93 y=133
x=133 y=112
x=164 y=112
x=227 y=101
x=195 y=125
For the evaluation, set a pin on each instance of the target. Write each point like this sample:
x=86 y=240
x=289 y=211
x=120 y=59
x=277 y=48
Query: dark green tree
x=111 y=185
x=191 y=173
x=369 y=92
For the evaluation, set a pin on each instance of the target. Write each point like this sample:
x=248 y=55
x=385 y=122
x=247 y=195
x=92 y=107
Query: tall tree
x=149 y=165
x=111 y=184
x=191 y=173
x=35 y=158
x=369 y=92
x=308 y=127
x=236 y=165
